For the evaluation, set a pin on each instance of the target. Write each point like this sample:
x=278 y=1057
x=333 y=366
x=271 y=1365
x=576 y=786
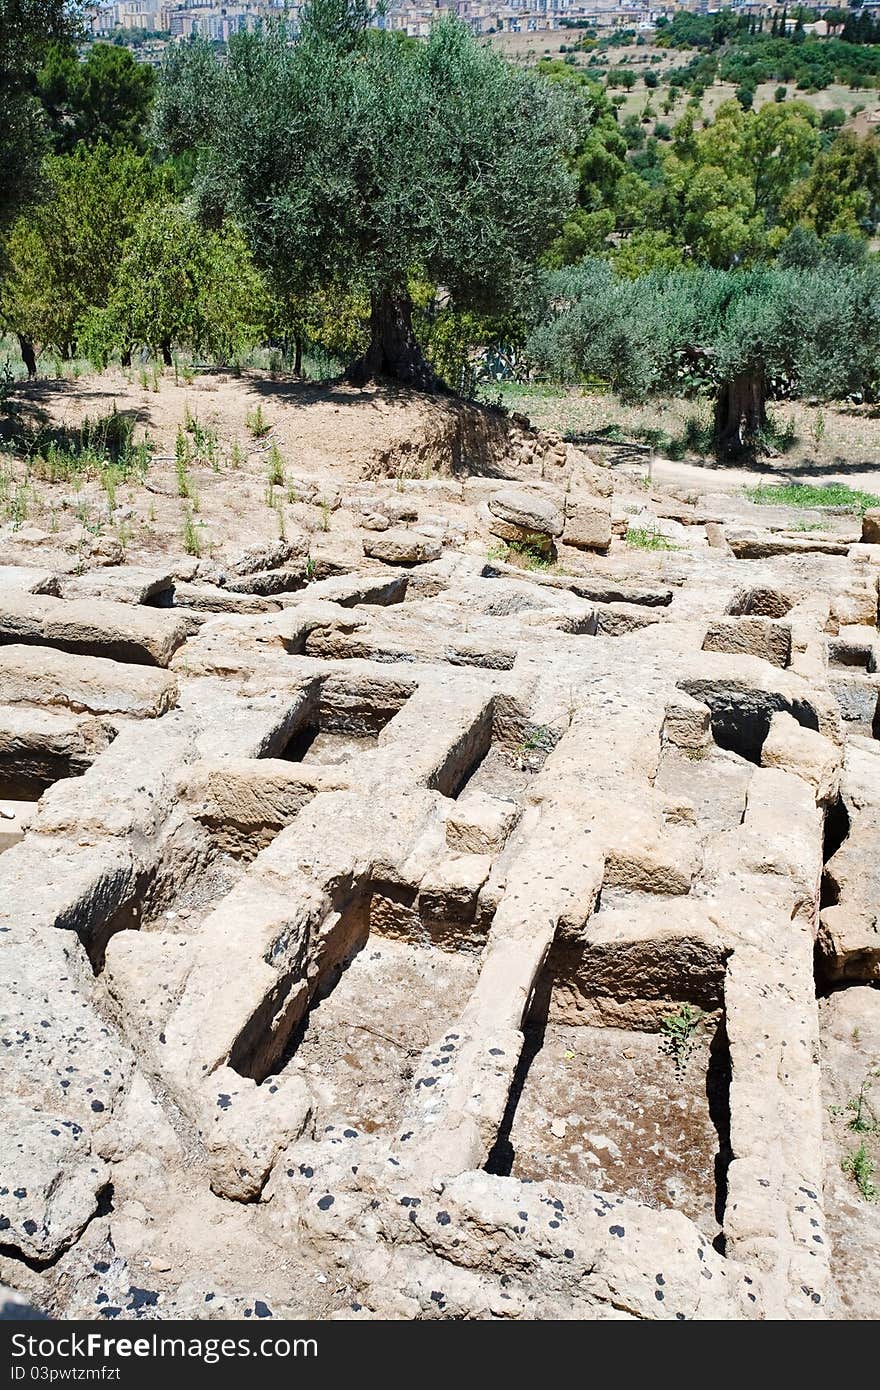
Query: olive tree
x=731 y=333
x=357 y=159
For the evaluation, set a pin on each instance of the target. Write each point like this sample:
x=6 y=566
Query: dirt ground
x=287 y=480
x=294 y=479
x=831 y=443
x=608 y=1108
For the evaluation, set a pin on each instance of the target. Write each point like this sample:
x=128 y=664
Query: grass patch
x=812 y=496
x=648 y=538
x=528 y=557
x=91 y=451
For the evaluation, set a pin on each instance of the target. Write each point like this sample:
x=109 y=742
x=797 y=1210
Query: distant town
x=153 y=22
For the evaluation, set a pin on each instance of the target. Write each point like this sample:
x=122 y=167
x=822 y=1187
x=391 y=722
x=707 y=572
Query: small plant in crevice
x=679 y=1030
x=311 y=568
x=533 y=748
x=860 y=1166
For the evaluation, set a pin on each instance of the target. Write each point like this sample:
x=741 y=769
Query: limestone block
x=42 y=676
x=399 y=547
x=688 y=723
x=587 y=525
x=49 y=1178
x=761 y=637
x=809 y=754
x=245 y=1127
x=849 y=944
x=760 y=602
x=871 y=526
x=449 y=890
x=480 y=824
x=93 y=627
x=643 y=855
x=857 y=605
x=528 y=510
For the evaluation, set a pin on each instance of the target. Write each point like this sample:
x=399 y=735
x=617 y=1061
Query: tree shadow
x=24 y=431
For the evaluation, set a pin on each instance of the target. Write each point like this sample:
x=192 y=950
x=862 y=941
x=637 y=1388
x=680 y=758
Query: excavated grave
x=362 y=886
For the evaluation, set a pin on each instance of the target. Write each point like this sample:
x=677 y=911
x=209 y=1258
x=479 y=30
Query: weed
x=817 y=427
x=649 y=538
x=275 y=467
x=181 y=464
x=191 y=542
x=257 y=423
x=535 y=746
x=311 y=567
x=90 y=450
x=108 y=482
x=812 y=496
x=325 y=516
x=859 y=1166
x=679 y=1033
x=531 y=552
x=864 y=1118
x=236 y=455
x=17 y=506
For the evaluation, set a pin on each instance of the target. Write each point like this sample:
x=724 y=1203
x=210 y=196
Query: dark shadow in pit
x=741 y=718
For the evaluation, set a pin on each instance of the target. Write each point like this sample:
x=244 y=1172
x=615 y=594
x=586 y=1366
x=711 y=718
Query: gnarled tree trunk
x=740 y=415
x=394 y=353
x=28 y=355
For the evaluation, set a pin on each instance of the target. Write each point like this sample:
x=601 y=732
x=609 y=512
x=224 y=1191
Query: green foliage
x=63 y=256
x=257 y=423
x=312 y=147
x=106 y=97
x=649 y=539
x=191 y=540
x=27 y=29
x=860 y=1166
x=809 y=496
x=180 y=283
x=102 y=448
x=864 y=1119
x=694 y=331
x=275 y=467
x=679 y=1030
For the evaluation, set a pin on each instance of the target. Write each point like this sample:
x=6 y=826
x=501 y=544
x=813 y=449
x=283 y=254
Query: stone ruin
x=430 y=937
